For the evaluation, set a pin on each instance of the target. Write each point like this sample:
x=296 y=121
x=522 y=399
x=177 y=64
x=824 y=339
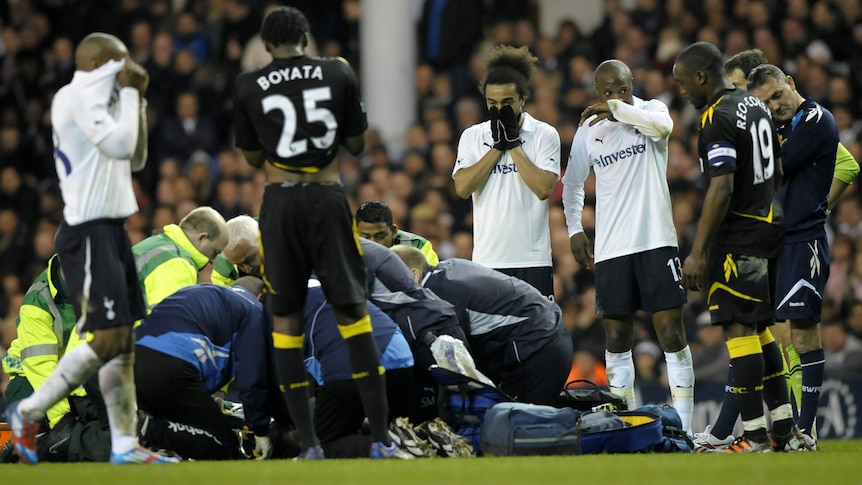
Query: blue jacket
x=326 y=355
x=214 y=328
x=809 y=144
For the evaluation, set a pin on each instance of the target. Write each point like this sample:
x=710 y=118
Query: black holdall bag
x=589 y=398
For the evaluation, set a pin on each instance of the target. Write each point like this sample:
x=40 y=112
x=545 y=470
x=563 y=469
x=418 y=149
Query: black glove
x=510 y=130
x=495 y=125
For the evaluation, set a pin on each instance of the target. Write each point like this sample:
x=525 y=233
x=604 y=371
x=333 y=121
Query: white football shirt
x=510 y=222
x=95 y=128
x=629 y=157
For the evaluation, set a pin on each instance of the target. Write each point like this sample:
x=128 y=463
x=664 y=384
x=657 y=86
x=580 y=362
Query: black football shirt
x=297 y=111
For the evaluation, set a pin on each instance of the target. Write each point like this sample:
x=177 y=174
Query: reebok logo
x=796 y=303
x=184 y=428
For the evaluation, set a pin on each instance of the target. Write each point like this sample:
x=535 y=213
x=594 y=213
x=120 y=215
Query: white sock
x=680 y=376
x=117 y=382
x=75 y=367
x=621 y=375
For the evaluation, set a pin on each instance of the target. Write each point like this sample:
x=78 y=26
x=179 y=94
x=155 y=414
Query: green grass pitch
x=837 y=460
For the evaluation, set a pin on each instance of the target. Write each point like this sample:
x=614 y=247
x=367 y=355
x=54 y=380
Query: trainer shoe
x=792 y=441
x=139 y=455
x=24 y=432
x=311 y=454
x=744 y=445
x=379 y=451
x=706 y=441
x=811 y=441
x=444 y=440
x=7 y=453
x=402 y=434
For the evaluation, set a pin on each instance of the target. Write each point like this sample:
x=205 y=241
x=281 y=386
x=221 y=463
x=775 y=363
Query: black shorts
x=305 y=229
x=99 y=269
x=802 y=277
x=649 y=280
x=740 y=289
x=540 y=278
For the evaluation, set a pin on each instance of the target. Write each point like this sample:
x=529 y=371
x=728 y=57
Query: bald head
x=207 y=230
x=98 y=48
x=614 y=67
x=613 y=80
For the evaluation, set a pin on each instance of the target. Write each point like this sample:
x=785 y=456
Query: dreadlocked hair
x=510 y=65
x=284 y=25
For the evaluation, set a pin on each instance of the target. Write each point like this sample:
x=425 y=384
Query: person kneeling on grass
x=192 y=344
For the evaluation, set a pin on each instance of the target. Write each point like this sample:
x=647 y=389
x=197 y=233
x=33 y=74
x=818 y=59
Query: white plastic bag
x=451 y=354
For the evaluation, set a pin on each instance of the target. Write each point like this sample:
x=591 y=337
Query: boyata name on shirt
x=605 y=160
x=279 y=76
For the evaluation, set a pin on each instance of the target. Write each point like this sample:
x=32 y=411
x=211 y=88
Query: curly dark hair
x=284 y=25
x=510 y=65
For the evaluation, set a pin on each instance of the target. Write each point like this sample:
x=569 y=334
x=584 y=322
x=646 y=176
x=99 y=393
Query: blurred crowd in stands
x=193 y=50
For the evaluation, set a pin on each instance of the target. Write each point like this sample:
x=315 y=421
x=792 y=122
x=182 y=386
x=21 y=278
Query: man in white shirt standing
x=99 y=139
x=509 y=165
x=637 y=266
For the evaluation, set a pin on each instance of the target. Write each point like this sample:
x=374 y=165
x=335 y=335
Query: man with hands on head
x=624 y=140
x=99 y=128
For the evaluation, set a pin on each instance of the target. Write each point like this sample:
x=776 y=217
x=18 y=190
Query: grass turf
x=838 y=460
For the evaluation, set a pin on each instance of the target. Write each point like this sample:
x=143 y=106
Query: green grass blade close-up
x=837 y=460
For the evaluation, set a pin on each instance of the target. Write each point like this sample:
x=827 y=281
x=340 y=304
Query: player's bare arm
x=715 y=206
x=354 y=144
x=255 y=158
x=139 y=157
x=601 y=110
x=135 y=76
x=541 y=182
x=473 y=178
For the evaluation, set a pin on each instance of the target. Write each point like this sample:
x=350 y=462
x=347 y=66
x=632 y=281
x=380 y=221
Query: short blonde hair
x=412 y=257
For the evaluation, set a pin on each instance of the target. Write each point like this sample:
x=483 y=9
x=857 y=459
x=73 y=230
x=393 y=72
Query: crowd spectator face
x=834 y=337
x=462 y=242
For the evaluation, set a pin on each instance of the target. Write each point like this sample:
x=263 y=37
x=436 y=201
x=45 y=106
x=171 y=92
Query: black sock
x=371 y=383
x=729 y=410
x=294 y=382
x=813 y=365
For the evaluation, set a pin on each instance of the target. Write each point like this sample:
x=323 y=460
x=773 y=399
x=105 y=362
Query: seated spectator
x=708 y=352
x=843 y=351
